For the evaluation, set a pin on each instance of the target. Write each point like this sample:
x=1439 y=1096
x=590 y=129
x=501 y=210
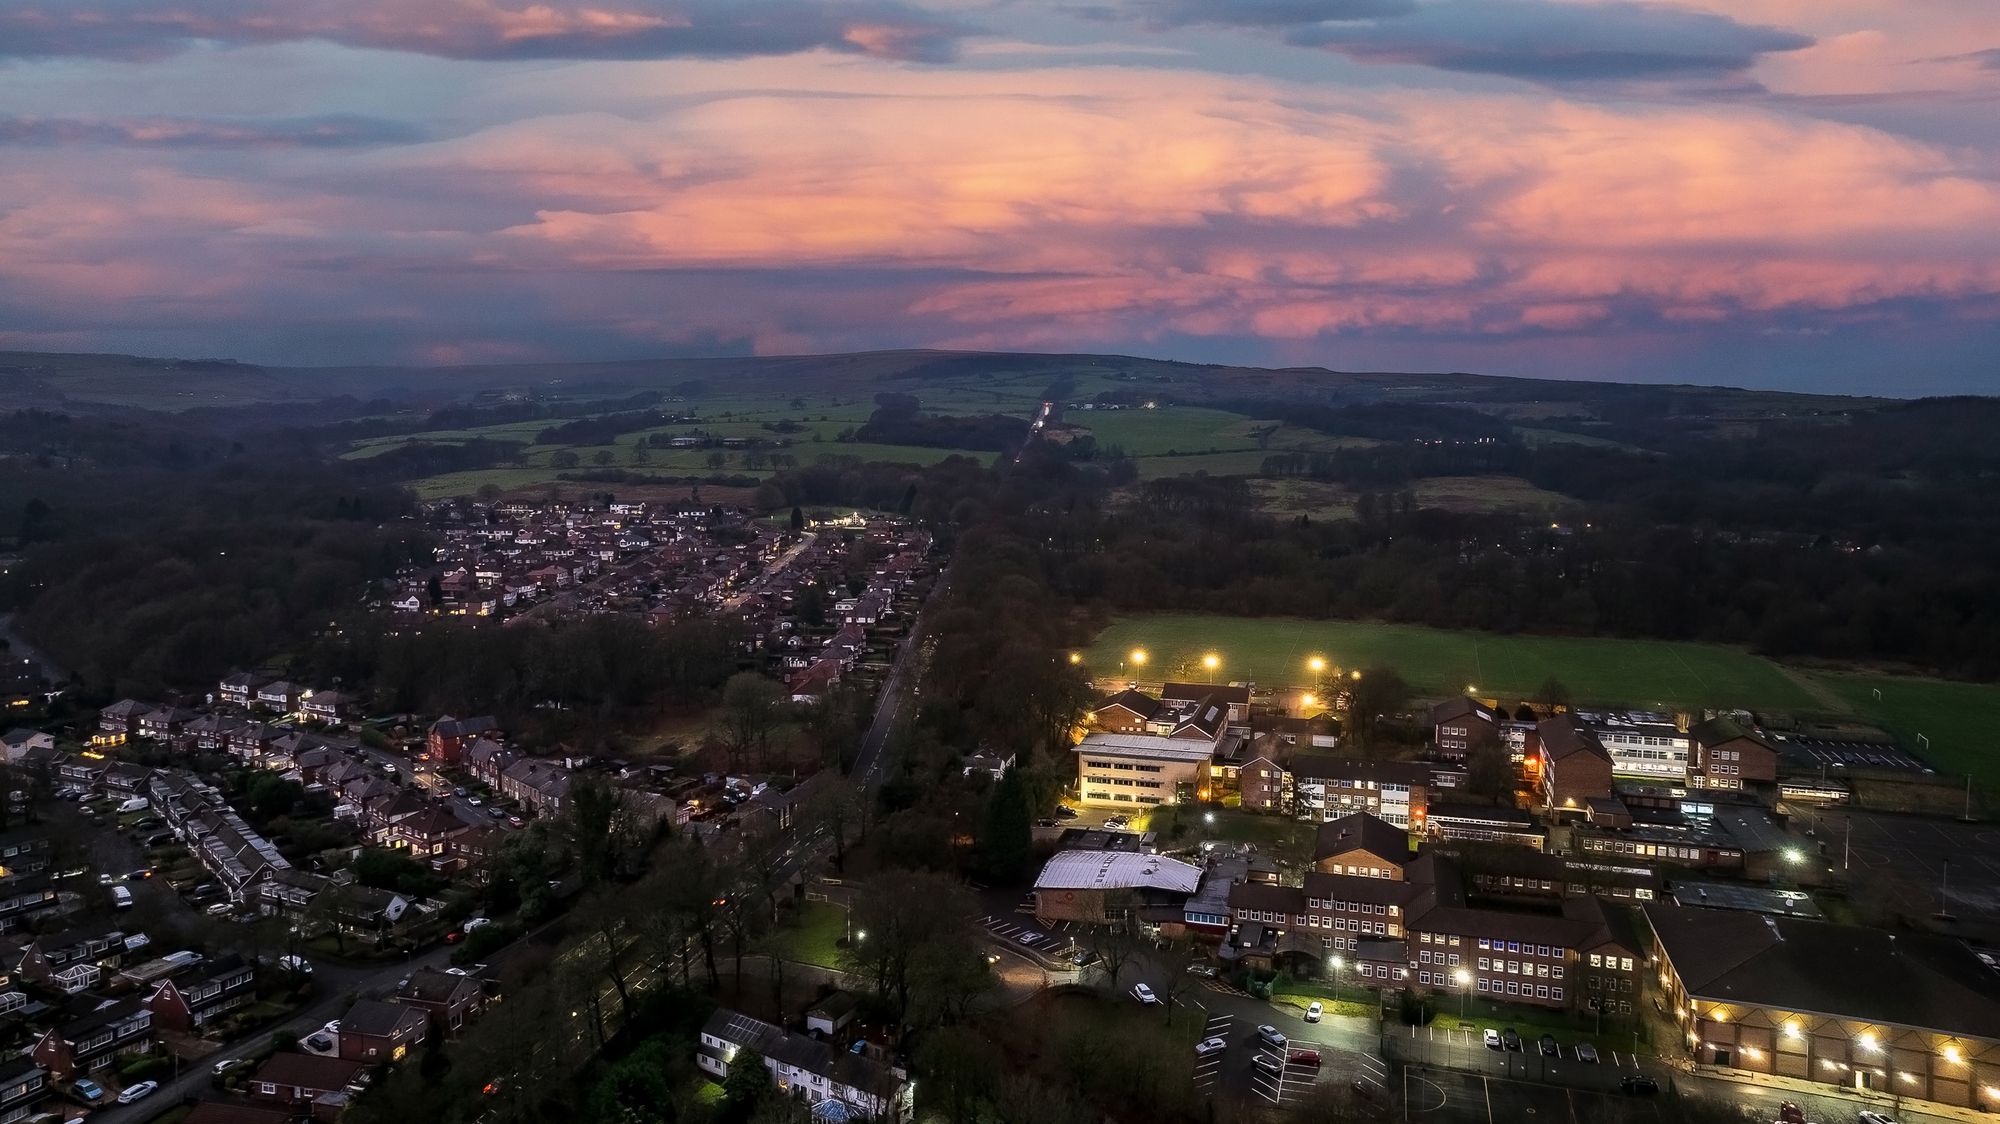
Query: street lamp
x=1075 y=658
x=1211 y=661
x=1137 y=658
x=1208 y=818
x=1464 y=979
x=1316 y=665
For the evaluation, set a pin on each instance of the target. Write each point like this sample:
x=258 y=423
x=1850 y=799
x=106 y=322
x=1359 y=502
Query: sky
x=1800 y=194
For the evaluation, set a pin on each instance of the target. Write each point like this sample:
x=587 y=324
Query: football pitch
x=1606 y=672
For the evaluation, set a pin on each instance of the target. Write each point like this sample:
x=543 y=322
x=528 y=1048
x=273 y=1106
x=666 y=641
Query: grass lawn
x=1955 y=718
x=1273 y=651
x=812 y=935
x=1246 y=462
x=1179 y=824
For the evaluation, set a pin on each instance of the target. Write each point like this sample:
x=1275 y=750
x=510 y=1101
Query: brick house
x=213 y=989
x=1461 y=725
x=240 y=689
x=373 y=1031
x=446 y=740
x=1127 y=712
x=449 y=1000
x=300 y=1079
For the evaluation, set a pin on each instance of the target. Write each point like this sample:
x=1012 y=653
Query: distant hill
x=85 y=382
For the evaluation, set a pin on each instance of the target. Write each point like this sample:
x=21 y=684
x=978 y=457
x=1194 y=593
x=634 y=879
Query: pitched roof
x=1461 y=707
x=1361 y=830
x=308 y=1071
x=1565 y=736
x=1721 y=729
x=1907 y=979
x=377 y=1019
x=1138 y=702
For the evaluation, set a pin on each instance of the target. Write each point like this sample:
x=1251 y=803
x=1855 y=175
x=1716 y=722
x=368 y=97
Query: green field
x=1273 y=651
x=1958 y=720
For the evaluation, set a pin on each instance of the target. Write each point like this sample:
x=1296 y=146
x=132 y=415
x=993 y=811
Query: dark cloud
x=207 y=132
x=482 y=29
x=1548 y=41
x=1265 y=13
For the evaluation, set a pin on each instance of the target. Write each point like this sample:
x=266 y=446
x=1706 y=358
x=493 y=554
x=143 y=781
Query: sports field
x=1274 y=651
x=1956 y=720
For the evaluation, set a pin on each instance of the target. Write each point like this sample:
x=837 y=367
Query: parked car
x=1208 y=1046
x=1065 y=812
x=474 y=801
x=89 y=1090
x=1028 y=936
x=1314 y=1010
x=455 y=936
x=1639 y=1085
x=1144 y=994
x=1492 y=1038
x=1511 y=1039
x=1304 y=1057
x=224 y=1066
x=138 y=1092
x=297 y=964
x=1269 y=1035
x=472 y=923
x=319 y=1042
x=1206 y=971
x=1117 y=823
x=1548 y=1046
x=1269 y=1064
x=218 y=909
x=1587 y=1053
x=516 y=821
x=497 y=813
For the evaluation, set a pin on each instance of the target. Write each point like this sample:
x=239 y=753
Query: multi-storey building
x=1325 y=788
x=1141 y=768
x=1641 y=744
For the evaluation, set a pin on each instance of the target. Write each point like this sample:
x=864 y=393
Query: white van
x=121 y=897
x=135 y=804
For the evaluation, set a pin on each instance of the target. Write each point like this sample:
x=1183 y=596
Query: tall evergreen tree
x=1007 y=844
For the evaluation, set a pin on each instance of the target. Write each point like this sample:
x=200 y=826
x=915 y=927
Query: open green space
x=1274 y=651
x=1956 y=721
x=812 y=935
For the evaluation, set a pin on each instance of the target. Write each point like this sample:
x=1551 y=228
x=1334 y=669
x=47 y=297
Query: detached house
x=449 y=1000
x=119 y=722
x=374 y=1031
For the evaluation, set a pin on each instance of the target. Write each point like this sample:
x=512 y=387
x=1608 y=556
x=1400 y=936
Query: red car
x=455 y=936
x=1304 y=1057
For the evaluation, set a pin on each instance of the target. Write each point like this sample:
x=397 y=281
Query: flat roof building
x=1144 y=769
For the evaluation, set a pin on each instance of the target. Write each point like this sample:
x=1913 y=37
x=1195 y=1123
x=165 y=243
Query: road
x=762 y=581
x=870 y=761
x=333 y=1001
x=20 y=649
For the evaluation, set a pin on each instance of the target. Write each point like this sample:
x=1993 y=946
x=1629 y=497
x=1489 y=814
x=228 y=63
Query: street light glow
x=1868 y=1042
x=1462 y=976
x=1336 y=963
x=1076 y=657
x=1139 y=656
x=861 y=934
x=1316 y=664
x=1211 y=661
x=1794 y=855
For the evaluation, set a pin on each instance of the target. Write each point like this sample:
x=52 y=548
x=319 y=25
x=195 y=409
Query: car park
x=1144 y=994
x=1548 y=1046
x=1587 y=1053
x=1314 y=1010
x=1639 y=1085
x=1269 y=1036
x=1208 y=1046
x=1511 y=1039
x=138 y=1092
x=1492 y=1038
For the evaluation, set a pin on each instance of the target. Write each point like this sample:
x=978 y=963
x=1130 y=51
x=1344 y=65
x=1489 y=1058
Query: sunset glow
x=1771 y=193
